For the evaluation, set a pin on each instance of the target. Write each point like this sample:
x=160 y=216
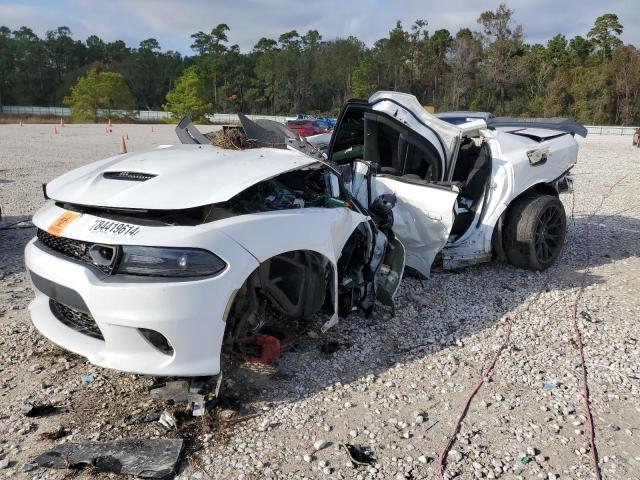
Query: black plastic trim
x=560 y=124
x=59 y=293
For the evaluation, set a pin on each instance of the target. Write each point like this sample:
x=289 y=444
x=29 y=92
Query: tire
x=534 y=231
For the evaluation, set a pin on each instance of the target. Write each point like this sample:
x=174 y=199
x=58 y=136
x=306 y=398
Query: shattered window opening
x=368 y=135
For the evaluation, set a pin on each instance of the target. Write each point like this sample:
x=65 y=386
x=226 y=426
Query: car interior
x=397 y=151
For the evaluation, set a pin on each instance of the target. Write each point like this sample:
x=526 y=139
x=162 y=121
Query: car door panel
x=423 y=217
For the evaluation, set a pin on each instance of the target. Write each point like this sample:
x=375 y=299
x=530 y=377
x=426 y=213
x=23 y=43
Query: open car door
x=386 y=149
x=422 y=218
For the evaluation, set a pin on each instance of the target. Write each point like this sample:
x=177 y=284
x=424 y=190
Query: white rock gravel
x=396 y=385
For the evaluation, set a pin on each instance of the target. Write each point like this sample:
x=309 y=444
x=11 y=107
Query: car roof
x=301 y=122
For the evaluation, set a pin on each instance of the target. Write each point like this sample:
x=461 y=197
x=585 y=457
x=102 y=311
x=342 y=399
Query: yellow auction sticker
x=60 y=223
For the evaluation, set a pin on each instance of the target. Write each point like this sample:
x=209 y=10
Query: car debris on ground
x=145 y=458
x=359 y=455
x=32 y=409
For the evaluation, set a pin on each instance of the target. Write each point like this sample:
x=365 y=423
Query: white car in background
x=154 y=262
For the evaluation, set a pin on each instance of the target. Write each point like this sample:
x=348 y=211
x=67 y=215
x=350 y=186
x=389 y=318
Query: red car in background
x=307 y=128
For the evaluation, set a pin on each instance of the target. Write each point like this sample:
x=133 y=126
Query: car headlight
x=169 y=262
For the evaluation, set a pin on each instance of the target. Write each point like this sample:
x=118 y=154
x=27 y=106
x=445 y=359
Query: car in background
x=308 y=128
x=301 y=116
x=331 y=122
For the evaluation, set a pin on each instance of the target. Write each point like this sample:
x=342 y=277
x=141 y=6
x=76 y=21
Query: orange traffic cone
x=123 y=146
x=55 y=130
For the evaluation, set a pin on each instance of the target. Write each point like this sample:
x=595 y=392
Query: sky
x=172 y=22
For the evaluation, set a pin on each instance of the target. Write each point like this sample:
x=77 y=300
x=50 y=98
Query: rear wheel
x=534 y=232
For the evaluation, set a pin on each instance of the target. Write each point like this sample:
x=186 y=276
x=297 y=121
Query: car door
x=422 y=218
x=388 y=157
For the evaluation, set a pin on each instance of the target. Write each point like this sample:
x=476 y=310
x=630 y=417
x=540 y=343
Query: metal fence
x=147 y=115
x=160 y=116
x=233 y=118
x=54 y=111
x=610 y=130
x=65 y=112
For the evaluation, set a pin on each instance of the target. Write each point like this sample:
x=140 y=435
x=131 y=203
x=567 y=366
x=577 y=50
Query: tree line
x=593 y=78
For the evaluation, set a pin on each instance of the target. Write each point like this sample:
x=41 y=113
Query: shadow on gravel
x=15 y=232
x=430 y=314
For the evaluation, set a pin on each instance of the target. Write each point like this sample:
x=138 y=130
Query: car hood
x=172 y=177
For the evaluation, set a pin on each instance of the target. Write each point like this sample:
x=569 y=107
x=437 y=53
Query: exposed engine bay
x=305 y=188
x=281 y=297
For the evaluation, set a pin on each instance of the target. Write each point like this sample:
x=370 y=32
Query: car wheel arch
x=287 y=293
x=306 y=261
x=497 y=241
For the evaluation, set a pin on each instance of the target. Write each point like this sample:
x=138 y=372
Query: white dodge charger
x=154 y=262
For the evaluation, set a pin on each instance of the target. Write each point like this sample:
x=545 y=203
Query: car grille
x=71 y=248
x=75 y=319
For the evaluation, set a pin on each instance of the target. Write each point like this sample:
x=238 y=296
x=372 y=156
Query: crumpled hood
x=176 y=176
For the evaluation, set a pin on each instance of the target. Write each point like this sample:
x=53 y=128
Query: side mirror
x=383 y=204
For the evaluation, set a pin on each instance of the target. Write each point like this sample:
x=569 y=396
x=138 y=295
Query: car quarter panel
x=511 y=175
x=513 y=149
x=324 y=230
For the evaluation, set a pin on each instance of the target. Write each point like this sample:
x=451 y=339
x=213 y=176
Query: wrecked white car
x=469 y=186
x=154 y=262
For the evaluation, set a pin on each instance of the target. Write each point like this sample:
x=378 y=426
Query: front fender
x=322 y=230
x=267 y=234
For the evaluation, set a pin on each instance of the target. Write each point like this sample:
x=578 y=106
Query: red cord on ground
x=580 y=345
x=485 y=374
x=585 y=391
x=585 y=385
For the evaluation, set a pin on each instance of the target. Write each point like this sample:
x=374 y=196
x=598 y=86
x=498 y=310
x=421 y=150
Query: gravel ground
x=395 y=385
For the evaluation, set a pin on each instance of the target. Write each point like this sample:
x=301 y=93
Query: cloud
x=172 y=23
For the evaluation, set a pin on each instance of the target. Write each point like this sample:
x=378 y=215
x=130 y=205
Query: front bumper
x=190 y=313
